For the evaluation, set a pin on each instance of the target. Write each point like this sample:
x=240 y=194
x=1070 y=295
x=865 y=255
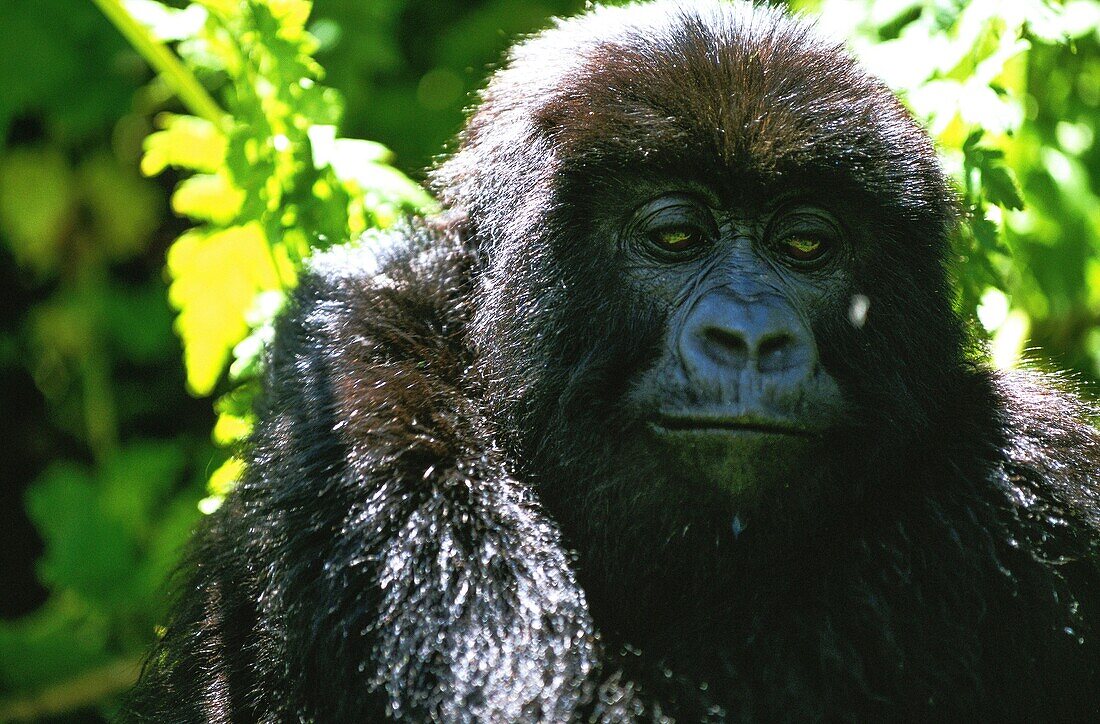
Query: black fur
x=441 y=519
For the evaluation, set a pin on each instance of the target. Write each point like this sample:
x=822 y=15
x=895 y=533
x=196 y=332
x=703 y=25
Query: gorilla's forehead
x=733 y=92
x=727 y=93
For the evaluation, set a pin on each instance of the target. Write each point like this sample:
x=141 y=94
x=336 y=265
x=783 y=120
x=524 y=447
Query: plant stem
x=157 y=54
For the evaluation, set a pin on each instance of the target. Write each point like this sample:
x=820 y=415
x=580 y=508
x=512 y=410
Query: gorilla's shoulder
x=400 y=294
x=369 y=361
x=420 y=256
x=1052 y=447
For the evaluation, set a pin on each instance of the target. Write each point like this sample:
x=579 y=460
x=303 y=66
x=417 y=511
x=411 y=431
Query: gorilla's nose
x=726 y=336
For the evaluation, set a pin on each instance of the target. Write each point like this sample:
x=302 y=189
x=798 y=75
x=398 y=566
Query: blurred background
x=106 y=453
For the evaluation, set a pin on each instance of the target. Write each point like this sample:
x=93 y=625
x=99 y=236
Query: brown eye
x=677 y=239
x=804 y=248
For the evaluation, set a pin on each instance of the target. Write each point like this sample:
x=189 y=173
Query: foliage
x=980 y=87
x=121 y=459
x=271 y=180
x=111 y=498
x=270 y=183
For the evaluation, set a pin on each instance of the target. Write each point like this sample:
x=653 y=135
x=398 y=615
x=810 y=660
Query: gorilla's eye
x=678 y=239
x=804 y=236
x=804 y=249
x=674 y=227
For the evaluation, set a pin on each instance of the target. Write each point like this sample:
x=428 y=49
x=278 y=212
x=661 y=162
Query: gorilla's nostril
x=727 y=338
x=726 y=345
x=776 y=352
x=735 y=348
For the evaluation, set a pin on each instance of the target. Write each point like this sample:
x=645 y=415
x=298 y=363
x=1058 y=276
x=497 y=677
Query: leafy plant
x=964 y=69
x=269 y=183
x=265 y=183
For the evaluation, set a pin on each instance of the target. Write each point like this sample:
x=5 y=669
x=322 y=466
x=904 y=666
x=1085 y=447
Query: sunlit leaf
x=215 y=276
x=290 y=13
x=186 y=142
x=226 y=476
x=248 y=354
x=208 y=197
x=225 y=8
x=167 y=23
x=230 y=429
x=1007 y=346
x=386 y=184
x=327 y=149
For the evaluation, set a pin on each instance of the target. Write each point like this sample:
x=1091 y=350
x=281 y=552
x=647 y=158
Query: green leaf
x=1001 y=188
x=125 y=208
x=972 y=141
x=136 y=480
x=138 y=323
x=37 y=201
x=987 y=234
x=63 y=638
x=66 y=507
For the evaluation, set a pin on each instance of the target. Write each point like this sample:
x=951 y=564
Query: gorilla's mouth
x=737 y=451
x=740 y=422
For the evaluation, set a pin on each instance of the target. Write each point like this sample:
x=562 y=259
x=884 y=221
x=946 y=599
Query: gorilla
x=668 y=415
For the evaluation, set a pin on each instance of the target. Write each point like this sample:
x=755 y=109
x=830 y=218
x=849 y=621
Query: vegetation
x=168 y=165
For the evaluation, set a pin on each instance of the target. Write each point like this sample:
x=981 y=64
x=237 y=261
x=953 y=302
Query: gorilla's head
x=712 y=293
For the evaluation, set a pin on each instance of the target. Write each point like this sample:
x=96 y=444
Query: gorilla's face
x=675 y=356
x=672 y=349
x=712 y=272
x=737 y=397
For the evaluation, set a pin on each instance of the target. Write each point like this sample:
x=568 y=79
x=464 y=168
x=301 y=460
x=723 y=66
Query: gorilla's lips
x=706 y=421
x=743 y=452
